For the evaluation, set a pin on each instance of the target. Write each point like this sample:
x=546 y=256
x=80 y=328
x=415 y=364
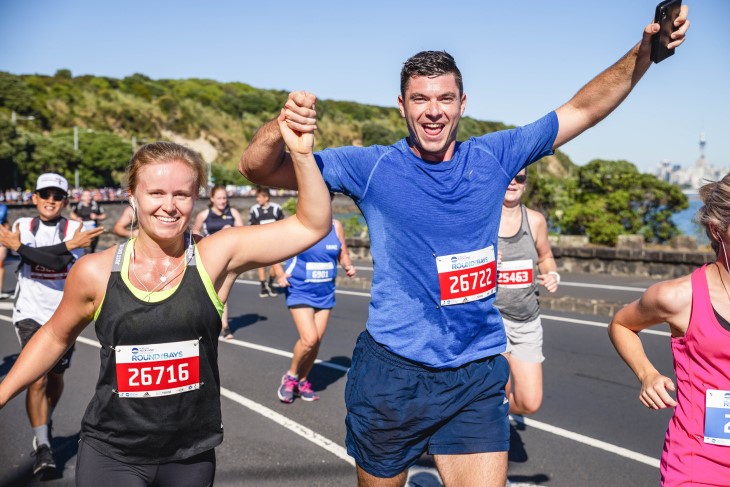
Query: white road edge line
x=600 y=325
x=586 y=440
x=287 y=423
x=293 y=426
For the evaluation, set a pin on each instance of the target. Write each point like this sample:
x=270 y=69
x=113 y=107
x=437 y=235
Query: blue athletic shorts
x=398 y=409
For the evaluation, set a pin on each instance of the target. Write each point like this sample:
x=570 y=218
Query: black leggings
x=94 y=469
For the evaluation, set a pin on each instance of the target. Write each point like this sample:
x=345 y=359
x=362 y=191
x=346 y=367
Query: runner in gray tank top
x=527 y=261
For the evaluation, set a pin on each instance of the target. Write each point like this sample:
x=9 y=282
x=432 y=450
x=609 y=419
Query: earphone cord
x=161 y=283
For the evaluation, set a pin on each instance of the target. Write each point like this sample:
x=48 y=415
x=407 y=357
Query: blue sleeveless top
x=215 y=222
x=313 y=274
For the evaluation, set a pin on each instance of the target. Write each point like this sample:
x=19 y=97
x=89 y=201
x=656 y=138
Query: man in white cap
x=48 y=244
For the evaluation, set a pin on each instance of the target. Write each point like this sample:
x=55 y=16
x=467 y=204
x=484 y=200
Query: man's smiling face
x=432 y=108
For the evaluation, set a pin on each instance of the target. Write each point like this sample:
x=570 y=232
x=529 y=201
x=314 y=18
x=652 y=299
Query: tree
x=612 y=198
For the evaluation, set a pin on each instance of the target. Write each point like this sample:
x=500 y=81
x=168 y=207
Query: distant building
x=693 y=177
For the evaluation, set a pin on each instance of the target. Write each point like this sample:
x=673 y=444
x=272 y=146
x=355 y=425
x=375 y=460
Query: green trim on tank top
x=159 y=296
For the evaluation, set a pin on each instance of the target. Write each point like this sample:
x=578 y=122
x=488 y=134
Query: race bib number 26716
x=159 y=369
x=466 y=277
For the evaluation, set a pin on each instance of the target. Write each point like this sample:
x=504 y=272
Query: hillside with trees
x=113 y=116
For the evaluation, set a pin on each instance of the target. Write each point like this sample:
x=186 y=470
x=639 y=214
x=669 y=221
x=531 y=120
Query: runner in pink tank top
x=697 y=309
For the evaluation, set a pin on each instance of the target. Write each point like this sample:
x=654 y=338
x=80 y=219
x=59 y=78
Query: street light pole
x=14 y=117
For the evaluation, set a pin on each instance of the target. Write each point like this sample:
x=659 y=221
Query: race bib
x=158 y=369
x=38 y=271
x=89 y=225
x=717 y=417
x=466 y=277
x=264 y=222
x=320 y=271
x=516 y=274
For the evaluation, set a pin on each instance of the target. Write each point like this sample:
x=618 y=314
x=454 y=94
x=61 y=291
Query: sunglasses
x=45 y=194
x=521 y=178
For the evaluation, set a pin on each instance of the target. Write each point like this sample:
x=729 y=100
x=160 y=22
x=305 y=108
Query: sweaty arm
x=597 y=99
x=546 y=265
x=667 y=301
x=266 y=161
x=84 y=289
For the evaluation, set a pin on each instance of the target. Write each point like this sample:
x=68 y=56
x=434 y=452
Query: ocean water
x=685 y=221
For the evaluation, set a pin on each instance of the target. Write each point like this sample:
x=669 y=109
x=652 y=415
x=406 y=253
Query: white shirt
x=39 y=290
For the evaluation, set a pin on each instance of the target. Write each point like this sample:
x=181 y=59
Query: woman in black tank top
x=157 y=300
x=217 y=217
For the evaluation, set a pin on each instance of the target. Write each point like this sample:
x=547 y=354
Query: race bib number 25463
x=466 y=277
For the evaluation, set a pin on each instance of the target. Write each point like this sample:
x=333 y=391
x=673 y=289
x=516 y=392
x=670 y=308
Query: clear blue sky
x=519 y=59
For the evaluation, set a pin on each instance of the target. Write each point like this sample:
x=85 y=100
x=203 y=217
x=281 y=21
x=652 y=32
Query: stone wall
x=629 y=258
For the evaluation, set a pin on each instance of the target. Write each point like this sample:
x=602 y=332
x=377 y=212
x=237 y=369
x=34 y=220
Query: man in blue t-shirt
x=428 y=374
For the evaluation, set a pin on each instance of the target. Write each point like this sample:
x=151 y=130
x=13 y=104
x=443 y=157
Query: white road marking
x=6 y=306
x=293 y=426
x=282 y=420
x=586 y=440
x=280 y=353
x=603 y=286
x=599 y=324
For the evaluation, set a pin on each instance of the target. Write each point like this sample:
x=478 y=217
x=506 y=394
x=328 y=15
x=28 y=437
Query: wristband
x=557 y=276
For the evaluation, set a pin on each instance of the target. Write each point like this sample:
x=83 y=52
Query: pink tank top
x=701 y=362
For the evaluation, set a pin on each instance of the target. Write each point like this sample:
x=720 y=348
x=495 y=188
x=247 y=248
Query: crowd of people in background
x=20 y=196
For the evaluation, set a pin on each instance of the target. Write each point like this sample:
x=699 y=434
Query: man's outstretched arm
x=266 y=161
x=596 y=100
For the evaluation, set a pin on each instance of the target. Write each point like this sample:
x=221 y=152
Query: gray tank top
x=517 y=295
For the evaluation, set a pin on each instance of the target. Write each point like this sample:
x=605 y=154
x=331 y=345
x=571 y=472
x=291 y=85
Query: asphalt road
x=591 y=429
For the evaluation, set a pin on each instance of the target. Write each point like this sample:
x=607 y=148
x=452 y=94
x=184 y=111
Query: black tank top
x=215 y=222
x=169 y=425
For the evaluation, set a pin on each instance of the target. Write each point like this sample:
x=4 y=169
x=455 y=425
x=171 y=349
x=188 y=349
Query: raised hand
x=10 y=239
x=682 y=24
x=298 y=121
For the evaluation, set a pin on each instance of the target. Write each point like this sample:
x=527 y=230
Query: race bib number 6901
x=466 y=277
x=158 y=369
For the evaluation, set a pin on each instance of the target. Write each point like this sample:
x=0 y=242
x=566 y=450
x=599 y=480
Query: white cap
x=52 y=180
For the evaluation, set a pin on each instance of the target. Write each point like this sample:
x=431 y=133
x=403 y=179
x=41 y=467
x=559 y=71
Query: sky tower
x=703 y=142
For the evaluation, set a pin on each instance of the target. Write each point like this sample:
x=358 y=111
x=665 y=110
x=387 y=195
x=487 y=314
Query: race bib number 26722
x=466 y=277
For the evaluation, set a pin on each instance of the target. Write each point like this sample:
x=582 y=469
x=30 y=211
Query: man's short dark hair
x=263 y=190
x=429 y=64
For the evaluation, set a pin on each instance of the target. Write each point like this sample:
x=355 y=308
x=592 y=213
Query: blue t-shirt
x=313 y=274
x=424 y=216
x=3 y=213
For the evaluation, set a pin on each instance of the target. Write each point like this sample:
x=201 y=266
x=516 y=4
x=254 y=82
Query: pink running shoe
x=304 y=390
x=288 y=388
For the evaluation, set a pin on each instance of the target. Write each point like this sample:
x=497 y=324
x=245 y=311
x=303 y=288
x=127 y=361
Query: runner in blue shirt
x=309 y=282
x=427 y=375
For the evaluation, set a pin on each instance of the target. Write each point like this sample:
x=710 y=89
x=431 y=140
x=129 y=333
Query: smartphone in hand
x=665 y=15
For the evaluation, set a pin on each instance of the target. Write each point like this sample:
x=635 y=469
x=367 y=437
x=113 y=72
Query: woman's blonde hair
x=161 y=152
x=714 y=215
